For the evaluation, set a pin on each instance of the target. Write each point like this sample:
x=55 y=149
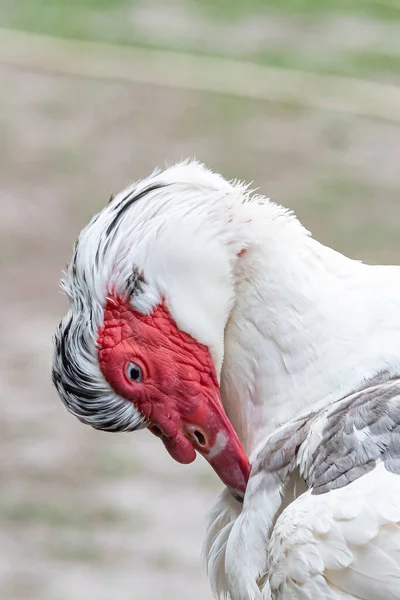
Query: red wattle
x=180 y=449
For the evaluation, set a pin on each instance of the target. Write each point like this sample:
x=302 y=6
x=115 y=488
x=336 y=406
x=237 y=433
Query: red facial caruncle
x=170 y=378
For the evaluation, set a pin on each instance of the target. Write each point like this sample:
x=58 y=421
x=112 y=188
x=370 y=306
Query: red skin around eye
x=179 y=391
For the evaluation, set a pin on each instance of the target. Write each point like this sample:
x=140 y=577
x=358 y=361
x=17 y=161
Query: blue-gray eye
x=134 y=372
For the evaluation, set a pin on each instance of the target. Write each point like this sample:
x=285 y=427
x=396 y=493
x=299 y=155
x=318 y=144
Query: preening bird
x=211 y=316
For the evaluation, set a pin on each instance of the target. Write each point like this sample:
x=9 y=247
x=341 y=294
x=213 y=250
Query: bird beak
x=229 y=460
x=209 y=431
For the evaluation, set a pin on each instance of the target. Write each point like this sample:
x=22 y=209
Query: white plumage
x=309 y=327
x=301 y=338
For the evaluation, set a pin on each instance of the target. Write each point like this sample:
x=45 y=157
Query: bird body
x=300 y=343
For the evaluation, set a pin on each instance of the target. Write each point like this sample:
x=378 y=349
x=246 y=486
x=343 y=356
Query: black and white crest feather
x=95 y=269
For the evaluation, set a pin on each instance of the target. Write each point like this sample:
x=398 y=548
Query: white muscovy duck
x=187 y=289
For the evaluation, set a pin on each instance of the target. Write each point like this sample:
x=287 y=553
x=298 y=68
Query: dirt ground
x=93 y=516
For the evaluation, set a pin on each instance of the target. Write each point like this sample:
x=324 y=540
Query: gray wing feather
x=363 y=429
x=356 y=432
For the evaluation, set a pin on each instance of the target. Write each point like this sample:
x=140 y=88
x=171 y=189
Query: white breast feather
x=345 y=544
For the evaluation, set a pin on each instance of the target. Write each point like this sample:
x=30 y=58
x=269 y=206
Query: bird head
x=150 y=287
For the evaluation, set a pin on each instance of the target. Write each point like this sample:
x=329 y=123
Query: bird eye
x=134 y=372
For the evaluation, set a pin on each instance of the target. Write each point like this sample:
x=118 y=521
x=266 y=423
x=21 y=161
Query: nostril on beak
x=200 y=438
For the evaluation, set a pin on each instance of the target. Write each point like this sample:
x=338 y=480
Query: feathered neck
x=305 y=330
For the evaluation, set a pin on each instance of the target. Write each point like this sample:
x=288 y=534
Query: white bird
x=186 y=290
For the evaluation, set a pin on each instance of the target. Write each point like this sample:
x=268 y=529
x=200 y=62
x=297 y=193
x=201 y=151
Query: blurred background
x=299 y=96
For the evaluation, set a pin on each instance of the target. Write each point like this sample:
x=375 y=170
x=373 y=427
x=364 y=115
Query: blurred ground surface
x=86 y=515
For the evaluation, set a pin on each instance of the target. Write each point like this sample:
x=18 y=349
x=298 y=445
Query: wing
x=341 y=544
x=341 y=538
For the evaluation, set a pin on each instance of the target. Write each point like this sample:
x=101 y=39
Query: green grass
x=110 y=21
x=86 y=20
x=75 y=18
x=231 y=9
x=366 y=64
